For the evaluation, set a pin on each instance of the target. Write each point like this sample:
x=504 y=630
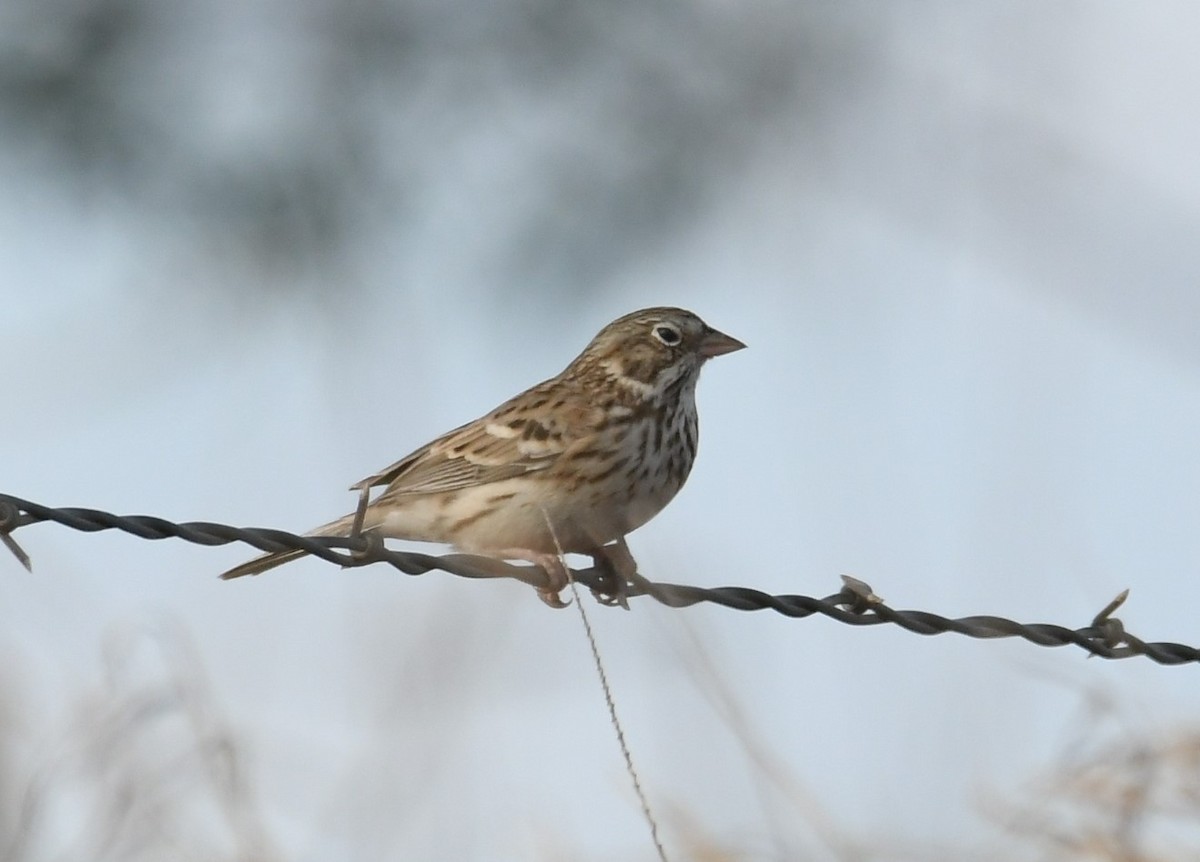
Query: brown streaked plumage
x=596 y=451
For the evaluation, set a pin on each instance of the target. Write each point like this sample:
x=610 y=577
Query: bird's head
x=652 y=351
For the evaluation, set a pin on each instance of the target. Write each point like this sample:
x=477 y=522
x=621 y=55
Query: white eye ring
x=668 y=335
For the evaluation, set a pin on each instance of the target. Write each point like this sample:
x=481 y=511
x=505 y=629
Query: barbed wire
x=855 y=604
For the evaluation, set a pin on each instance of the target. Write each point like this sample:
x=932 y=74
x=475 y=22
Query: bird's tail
x=266 y=562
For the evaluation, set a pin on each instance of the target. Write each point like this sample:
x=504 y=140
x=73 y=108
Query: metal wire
x=854 y=605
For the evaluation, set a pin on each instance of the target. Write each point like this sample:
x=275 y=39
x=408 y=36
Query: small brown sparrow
x=571 y=465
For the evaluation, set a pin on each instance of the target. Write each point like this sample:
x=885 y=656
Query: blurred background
x=253 y=251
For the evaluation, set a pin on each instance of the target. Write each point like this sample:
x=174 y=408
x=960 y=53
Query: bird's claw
x=557 y=578
x=614 y=563
x=616 y=599
x=553 y=599
x=617 y=566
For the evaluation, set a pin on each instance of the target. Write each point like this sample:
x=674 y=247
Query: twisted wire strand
x=854 y=605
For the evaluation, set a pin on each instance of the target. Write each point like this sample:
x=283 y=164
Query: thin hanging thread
x=608 y=696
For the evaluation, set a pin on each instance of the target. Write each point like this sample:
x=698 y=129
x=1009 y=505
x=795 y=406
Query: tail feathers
x=266 y=562
x=262 y=564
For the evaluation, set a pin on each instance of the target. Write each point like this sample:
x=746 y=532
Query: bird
x=571 y=465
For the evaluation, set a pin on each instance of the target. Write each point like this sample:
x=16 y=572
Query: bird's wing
x=506 y=443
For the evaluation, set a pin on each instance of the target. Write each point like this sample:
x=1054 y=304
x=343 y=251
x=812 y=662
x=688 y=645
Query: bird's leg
x=619 y=567
x=552 y=565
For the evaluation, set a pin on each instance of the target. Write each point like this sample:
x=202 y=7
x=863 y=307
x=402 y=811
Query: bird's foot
x=619 y=568
x=557 y=575
x=556 y=571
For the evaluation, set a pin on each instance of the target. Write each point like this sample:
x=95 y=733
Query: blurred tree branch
x=286 y=135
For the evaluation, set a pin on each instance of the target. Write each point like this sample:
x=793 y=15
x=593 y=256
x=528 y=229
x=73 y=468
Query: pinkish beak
x=716 y=343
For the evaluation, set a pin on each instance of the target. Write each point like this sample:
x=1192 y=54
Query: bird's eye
x=668 y=335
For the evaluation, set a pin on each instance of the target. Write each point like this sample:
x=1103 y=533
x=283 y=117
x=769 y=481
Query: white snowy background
x=250 y=253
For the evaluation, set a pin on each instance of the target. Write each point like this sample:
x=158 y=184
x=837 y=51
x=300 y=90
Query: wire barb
x=10 y=519
x=862 y=597
x=1110 y=630
x=856 y=604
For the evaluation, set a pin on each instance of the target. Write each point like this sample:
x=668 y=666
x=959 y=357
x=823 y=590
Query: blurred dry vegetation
x=1112 y=796
x=142 y=766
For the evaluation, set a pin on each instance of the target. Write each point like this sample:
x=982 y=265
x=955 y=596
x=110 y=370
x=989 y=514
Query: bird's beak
x=716 y=343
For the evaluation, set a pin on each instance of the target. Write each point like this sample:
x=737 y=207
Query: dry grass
x=1114 y=797
x=142 y=766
